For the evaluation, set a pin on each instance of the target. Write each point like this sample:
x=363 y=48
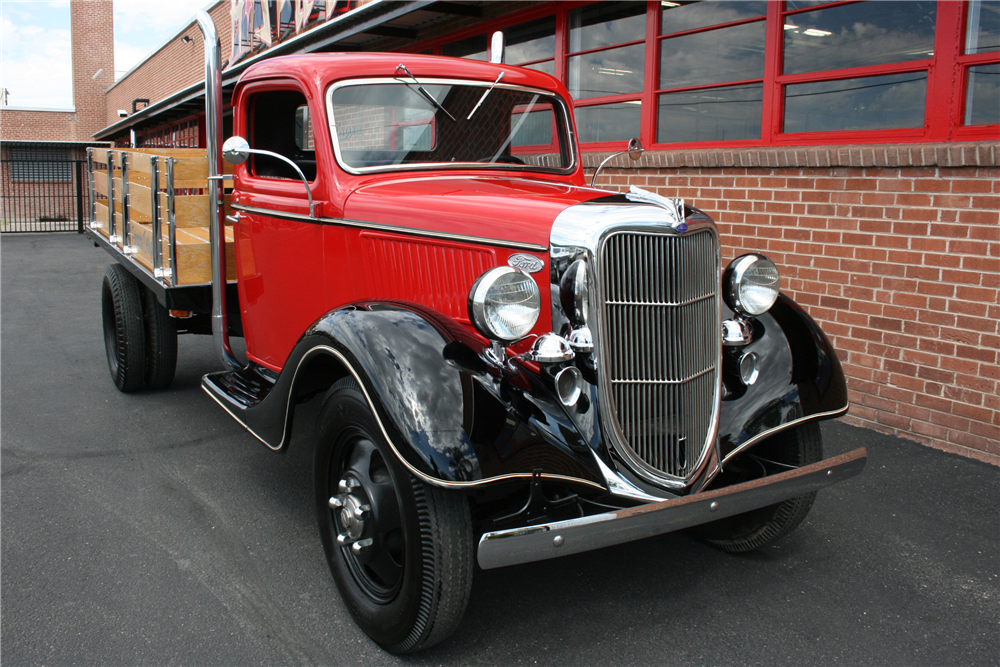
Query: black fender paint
x=456 y=420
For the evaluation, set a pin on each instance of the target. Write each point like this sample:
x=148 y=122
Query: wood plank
x=140 y=201
x=192 y=210
x=191 y=168
x=101 y=183
x=118 y=188
x=101 y=216
x=194 y=257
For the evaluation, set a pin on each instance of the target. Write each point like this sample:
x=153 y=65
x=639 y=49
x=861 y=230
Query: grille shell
x=659 y=348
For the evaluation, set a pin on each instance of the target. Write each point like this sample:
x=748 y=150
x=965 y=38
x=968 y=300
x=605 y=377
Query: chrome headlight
x=574 y=294
x=504 y=304
x=751 y=284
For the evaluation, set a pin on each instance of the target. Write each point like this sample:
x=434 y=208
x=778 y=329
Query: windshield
x=402 y=124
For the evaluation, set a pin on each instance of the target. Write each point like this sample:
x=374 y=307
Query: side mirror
x=236 y=150
x=635 y=148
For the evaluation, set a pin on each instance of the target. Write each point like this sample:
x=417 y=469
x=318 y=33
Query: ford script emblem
x=526 y=263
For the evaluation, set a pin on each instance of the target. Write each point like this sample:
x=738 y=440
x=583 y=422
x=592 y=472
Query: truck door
x=279 y=250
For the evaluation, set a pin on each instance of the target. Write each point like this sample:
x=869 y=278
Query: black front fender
x=451 y=420
x=800 y=379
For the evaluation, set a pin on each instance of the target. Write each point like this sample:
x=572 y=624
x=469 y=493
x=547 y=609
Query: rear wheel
x=400 y=550
x=752 y=530
x=124 y=335
x=161 y=342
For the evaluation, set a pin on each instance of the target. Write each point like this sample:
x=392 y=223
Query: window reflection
x=690 y=16
x=717 y=114
x=715 y=56
x=982 y=99
x=983 y=27
x=473 y=48
x=606 y=24
x=608 y=122
x=548 y=66
x=531 y=41
x=609 y=72
x=870 y=103
x=857 y=35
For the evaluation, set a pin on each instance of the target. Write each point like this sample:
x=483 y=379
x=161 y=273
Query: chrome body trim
x=561 y=538
x=112 y=227
x=566 y=127
x=502 y=243
x=172 y=220
x=157 y=231
x=126 y=234
x=378 y=418
x=766 y=434
x=217 y=226
x=582 y=231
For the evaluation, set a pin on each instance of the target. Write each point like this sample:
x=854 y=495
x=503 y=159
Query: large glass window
x=753 y=72
x=705 y=44
x=606 y=59
x=859 y=35
x=533 y=45
x=870 y=103
x=715 y=114
x=982 y=40
x=982 y=28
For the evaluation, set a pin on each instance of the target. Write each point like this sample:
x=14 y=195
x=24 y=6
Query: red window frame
x=947 y=78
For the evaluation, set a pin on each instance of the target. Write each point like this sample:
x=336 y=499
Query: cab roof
x=322 y=69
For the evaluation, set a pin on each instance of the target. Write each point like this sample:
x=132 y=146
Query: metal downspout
x=217 y=234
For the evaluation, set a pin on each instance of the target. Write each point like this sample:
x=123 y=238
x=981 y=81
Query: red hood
x=495 y=207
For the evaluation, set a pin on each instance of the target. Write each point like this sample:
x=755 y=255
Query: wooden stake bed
x=165 y=188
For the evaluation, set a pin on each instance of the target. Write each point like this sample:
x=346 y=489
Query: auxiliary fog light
x=751 y=284
x=748 y=368
x=569 y=385
x=504 y=304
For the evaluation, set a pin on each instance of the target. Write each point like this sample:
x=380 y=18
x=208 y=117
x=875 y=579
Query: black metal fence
x=42 y=195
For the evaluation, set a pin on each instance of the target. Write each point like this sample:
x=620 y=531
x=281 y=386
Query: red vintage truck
x=513 y=366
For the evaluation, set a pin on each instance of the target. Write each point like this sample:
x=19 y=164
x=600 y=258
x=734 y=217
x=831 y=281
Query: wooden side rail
x=139 y=194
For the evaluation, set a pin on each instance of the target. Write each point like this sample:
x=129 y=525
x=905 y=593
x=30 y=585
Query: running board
x=254 y=399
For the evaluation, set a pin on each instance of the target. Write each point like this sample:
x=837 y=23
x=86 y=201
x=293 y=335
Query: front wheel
x=752 y=530
x=400 y=550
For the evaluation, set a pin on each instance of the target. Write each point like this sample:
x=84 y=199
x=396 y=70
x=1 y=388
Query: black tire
x=124 y=335
x=793 y=448
x=408 y=587
x=161 y=342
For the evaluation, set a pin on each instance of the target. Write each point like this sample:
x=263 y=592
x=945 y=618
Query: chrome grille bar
x=660 y=343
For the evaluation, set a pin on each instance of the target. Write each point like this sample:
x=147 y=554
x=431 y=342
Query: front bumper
x=561 y=538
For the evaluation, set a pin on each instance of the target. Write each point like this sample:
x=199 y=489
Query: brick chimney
x=93 y=33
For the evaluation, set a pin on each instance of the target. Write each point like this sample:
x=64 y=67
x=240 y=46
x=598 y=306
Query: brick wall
x=92 y=28
x=895 y=250
x=174 y=67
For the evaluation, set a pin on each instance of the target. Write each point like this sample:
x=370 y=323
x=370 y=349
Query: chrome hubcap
x=352 y=512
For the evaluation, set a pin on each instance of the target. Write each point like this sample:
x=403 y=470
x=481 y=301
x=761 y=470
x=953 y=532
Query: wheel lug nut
x=362 y=512
x=335 y=503
x=361 y=546
x=343 y=540
x=347 y=485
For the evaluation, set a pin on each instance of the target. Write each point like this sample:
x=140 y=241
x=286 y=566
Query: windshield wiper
x=423 y=91
x=483 y=98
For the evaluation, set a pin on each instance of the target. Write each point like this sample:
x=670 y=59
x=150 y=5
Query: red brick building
x=856 y=143
x=38 y=147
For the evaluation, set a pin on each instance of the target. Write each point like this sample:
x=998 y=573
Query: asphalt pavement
x=150 y=529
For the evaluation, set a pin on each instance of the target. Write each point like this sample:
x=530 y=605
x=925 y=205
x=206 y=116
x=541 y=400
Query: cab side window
x=279 y=122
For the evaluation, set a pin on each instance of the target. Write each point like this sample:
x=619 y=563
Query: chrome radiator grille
x=660 y=343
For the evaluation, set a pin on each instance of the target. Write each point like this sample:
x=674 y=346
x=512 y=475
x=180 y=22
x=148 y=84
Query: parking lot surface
x=150 y=529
